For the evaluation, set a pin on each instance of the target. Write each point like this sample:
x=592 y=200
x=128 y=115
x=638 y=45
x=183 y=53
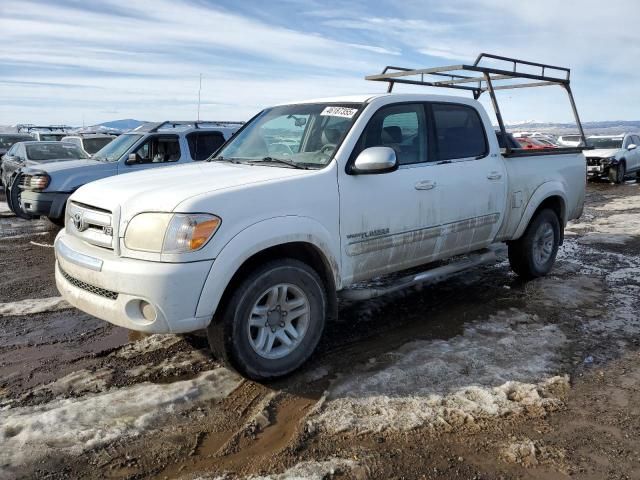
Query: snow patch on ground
x=71 y=426
x=620 y=204
x=312 y=470
x=181 y=361
x=4 y=208
x=79 y=382
x=33 y=306
x=148 y=344
x=448 y=383
x=528 y=453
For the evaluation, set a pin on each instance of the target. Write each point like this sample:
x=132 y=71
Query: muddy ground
x=482 y=376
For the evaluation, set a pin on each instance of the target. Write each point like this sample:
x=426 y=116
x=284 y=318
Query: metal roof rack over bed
x=492 y=79
x=154 y=127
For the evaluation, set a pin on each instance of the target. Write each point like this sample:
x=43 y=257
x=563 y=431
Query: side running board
x=427 y=277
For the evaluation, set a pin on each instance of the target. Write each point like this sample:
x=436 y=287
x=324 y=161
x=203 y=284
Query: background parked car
x=45 y=133
x=535 y=143
x=570 y=140
x=7 y=140
x=613 y=156
x=47 y=187
x=89 y=142
x=29 y=154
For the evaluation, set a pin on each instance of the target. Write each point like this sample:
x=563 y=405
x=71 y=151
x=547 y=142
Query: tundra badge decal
x=370 y=234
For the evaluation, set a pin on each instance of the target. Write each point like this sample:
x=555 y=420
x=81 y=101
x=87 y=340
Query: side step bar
x=427 y=277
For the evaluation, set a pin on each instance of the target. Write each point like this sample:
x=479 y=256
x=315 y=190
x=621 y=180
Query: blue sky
x=74 y=61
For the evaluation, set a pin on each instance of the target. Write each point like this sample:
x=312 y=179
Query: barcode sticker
x=339 y=112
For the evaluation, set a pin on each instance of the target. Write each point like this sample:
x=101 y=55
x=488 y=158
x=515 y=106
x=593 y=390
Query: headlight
x=170 y=232
x=38 y=181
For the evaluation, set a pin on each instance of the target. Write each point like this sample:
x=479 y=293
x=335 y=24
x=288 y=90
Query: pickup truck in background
x=304 y=204
x=613 y=156
x=46 y=188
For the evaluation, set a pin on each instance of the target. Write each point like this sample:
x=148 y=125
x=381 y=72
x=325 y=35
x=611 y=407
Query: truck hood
x=163 y=189
x=601 y=153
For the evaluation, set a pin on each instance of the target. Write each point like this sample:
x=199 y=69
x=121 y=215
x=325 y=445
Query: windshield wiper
x=281 y=162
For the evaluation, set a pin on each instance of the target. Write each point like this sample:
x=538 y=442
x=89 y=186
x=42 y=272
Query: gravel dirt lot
x=480 y=377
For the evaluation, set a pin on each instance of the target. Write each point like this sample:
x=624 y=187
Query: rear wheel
x=534 y=254
x=617 y=174
x=272 y=322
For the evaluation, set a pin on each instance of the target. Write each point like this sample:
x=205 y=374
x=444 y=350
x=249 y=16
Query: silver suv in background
x=47 y=187
x=613 y=156
x=90 y=143
x=45 y=133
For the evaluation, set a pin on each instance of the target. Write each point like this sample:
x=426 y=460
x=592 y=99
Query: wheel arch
x=549 y=195
x=311 y=246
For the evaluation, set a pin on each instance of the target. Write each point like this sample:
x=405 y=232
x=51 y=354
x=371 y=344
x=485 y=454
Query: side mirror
x=632 y=146
x=374 y=160
x=133 y=159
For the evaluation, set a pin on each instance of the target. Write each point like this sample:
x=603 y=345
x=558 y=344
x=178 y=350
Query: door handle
x=494 y=176
x=426 y=185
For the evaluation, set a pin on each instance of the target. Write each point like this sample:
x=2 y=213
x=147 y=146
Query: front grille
x=94 y=225
x=593 y=161
x=101 y=292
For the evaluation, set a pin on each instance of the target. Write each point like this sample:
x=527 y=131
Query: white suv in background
x=90 y=143
x=613 y=156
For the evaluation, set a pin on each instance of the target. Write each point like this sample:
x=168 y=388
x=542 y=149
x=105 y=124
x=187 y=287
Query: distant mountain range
x=124 y=124
x=607 y=127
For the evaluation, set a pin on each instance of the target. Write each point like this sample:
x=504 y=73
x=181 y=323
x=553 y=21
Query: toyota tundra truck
x=305 y=204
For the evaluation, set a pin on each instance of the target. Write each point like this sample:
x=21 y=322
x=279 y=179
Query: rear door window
x=459 y=132
x=204 y=144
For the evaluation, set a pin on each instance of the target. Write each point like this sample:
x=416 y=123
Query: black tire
x=13 y=199
x=616 y=175
x=522 y=252
x=229 y=332
x=57 y=221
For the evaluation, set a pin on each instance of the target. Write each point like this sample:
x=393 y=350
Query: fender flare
x=546 y=190
x=261 y=236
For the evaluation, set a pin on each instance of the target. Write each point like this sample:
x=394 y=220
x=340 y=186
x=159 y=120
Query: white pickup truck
x=303 y=203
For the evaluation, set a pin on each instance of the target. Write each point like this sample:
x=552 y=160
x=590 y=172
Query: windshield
x=39 y=152
x=7 y=141
x=304 y=136
x=116 y=148
x=605 y=142
x=52 y=137
x=92 y=145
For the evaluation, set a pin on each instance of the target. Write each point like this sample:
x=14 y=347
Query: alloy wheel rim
x=278 y=321
x=543 y=244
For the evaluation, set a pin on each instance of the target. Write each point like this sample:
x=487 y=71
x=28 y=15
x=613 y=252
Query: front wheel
x=272 y=322
x=617 y=174
x=14 y=196
x=534 y=254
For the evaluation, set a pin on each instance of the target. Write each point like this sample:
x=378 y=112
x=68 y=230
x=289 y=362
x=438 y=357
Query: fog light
x=147 y=311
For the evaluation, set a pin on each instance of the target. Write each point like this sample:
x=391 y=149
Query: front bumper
x=115 y=289
x=44 y=204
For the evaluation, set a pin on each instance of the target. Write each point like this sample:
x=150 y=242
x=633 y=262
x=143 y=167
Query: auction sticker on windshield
x=339 y=112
